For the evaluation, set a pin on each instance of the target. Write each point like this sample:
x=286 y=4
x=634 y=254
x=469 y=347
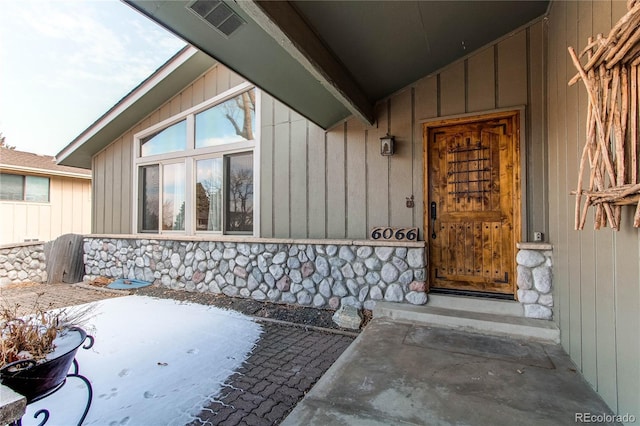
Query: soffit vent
x=218 y=15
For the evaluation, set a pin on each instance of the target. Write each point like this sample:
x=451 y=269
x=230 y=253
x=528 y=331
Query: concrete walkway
x=411 y=374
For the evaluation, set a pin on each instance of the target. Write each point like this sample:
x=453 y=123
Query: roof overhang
x=173 y=76
x=329 y=60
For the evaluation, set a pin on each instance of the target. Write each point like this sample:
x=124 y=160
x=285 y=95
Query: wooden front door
x=473 y=202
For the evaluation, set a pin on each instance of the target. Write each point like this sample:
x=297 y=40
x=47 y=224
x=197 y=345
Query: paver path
x=286 y=362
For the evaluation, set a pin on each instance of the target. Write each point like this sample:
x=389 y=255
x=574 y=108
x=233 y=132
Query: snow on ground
x=154 y=362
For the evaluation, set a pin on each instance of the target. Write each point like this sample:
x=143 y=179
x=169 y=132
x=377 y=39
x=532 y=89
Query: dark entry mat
x=502 y=348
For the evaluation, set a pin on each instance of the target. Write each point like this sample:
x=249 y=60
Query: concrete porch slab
x=481 y=322
x=382 y=380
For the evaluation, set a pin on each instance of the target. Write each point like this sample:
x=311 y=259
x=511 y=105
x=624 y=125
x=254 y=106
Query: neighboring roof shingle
x=20 y=160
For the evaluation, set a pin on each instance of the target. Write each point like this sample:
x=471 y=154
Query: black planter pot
x=35 y=381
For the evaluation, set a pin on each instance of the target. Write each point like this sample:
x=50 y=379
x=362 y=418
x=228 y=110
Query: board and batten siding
x=68 y=211
x=113 y=166
x=335 y=184
x=596 y=273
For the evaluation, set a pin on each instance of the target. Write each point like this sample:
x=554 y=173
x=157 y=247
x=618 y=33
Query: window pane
x=37 y=189
x=171 y=139
x=209 y=195
x=173 y=197
x=150 y=176
x=231 y=121
x=239 y=202
x=11 y=187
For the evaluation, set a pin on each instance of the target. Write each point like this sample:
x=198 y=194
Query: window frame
x=24 y=189
x=189 y=157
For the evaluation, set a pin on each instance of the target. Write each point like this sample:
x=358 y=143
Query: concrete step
x=478 y=322
x=476 y=304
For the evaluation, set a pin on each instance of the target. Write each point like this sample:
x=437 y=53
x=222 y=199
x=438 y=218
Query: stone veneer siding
x=319 y=273
x=23 y=262
x=535 y=279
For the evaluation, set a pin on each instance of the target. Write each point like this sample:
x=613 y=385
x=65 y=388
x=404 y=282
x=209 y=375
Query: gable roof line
x=21 y=161
x=36 y=170
x=128 y=101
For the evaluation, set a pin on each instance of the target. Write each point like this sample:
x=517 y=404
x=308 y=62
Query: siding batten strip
x=346 y=180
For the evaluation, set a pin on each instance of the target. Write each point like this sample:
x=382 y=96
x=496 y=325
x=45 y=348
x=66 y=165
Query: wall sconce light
x=387 y=145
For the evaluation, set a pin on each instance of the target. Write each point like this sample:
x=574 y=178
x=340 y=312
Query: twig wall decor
x=611 y=78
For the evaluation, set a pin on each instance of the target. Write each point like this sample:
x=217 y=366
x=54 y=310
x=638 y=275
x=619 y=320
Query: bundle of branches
x=611 y=78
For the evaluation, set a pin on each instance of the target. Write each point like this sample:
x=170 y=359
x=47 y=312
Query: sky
x=154 y=361
x=64 y=63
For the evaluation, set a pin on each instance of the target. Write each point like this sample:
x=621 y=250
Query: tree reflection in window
x=228 y=122
x=239 y=203
x=170 y=139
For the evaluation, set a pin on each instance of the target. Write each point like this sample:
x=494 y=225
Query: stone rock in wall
x=400 y=264
x=527 y=296
x=529 y=258
x=346 y=254
x=273 y=294
x=279 y=258
x=417 y=286
x=389 y=273
x=258 y=295
x=175 y=261
x=353 y=287
x=322 y=266
x=384 y=253
x=351 y=301
x=416 y=297
x=229 y=253
x=284 y=283
x=359 y=269
x=276 y=271
x=372 y=278
x=406 y=277
x=538 y=311
x=318 y=301
x=307 y=269
x=364 y=252
x=295 y=276
x=334 y=302
x=288 y=297
x=331 y=250
x=525 y=278
x=375 y=293
x=347 y=271
x=239 y=271
x=304 y=298
x=542 y=278
x=230 y=290
x=339 y=289
x=415 y=258
x=362 y=294
x=394 y=293
x=373 y=264
x=546 y=300
x=325 y=288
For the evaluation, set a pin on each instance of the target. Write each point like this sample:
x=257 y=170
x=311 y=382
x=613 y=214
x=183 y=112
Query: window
x=195 y=171
x=24 y=188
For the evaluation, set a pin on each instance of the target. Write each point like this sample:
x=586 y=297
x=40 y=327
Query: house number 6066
x=394 y=234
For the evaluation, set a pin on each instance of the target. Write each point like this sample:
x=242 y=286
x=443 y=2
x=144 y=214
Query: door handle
x=433 y=219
